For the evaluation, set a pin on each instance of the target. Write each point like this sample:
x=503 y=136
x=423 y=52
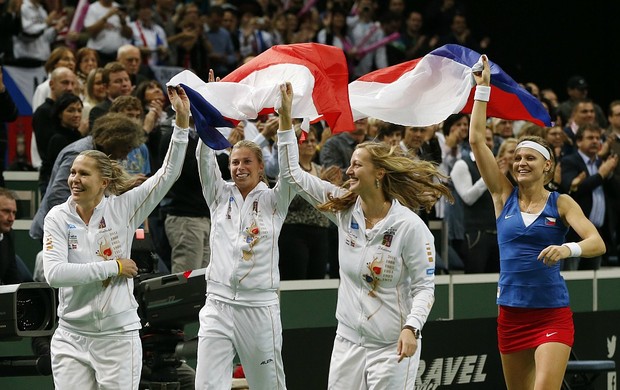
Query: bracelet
x=575 y=249
x=483 y=92
x=120 y=267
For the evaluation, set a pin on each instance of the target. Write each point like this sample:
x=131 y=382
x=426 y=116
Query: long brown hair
x=414 y=183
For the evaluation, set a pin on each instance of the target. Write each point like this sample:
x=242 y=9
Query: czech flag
x=318 y=74
x=427 y=90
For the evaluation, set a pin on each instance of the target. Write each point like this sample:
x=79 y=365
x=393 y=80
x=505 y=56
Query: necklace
x=373 y=221
x=533 y=205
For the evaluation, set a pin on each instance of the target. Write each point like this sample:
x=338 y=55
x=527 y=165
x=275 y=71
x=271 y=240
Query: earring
x=377 y=183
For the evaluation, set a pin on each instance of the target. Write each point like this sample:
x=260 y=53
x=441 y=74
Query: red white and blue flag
x=427 y=90
x=318 y=74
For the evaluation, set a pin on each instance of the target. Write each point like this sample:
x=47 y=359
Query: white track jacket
x=387 y=273
x=79 y=258
x=244 y=236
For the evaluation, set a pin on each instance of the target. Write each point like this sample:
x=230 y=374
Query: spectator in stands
x=505 y=157
x=94 y=92
x=378 y=231
x=67 y=127
x=583 y=113
x=188 y=45
x=163 y=16
x=531 y=226
x=363 y=33
x=8 y=113
x=112 y=134
x=137 y=162
x=87 y=244
x=62 y=80
x=187 y=222
x=339 y=148
x=157 y=111
x=611 y=147
x=106 y=23
x=222 y=56
x=460 y=34
x=417 y=43
x=117 y=83
x=10 y=19
x=130 y=57
x=480 y=252
x=252 y=39
x=421 y=143
x=390 y=133
x=230 y=21
x=304 y=238
x=33 y=45
x=86 y=59
x=591 y=192
x=61 y=56
x=9 y=270
x=577 y=90
x=149 y=37
x=440 y=13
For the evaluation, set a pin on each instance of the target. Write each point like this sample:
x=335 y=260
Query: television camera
x=26 y=310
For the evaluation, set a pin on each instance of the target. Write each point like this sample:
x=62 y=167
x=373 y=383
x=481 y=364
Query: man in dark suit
x=9 y=272
x=585 y=177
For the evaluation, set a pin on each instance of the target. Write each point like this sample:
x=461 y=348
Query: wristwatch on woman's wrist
x=416 y=332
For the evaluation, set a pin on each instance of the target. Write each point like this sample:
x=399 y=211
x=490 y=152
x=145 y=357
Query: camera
x=26 y=310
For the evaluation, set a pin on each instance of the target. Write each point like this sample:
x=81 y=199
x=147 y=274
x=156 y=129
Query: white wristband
x=483 y=93
x=575 y=249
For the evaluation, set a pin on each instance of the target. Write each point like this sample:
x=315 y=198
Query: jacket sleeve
x=146 y=196
x=419 y=257
x=308 y=186
x=56 y=267
x=209 y=173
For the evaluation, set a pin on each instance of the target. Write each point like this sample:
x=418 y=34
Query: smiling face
x=245 y=169
x=85 y=181
x=529 y=165
x=362 y=172
x=71 y=116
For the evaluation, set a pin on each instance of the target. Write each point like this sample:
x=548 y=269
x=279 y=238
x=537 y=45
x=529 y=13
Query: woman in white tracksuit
x=387 y=257
x=242 y=311
x=86 y=248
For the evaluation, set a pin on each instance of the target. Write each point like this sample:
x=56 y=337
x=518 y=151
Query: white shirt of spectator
x=109 y=39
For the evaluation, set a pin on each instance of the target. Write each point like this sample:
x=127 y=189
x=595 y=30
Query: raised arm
x=498 y=184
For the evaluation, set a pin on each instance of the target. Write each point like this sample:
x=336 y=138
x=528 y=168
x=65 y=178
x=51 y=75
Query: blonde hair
x=119 y=180
x=504 y=145
x=258 y=152
x=414 y=183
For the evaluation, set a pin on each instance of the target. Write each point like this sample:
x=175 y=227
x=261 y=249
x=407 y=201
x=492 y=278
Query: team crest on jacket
x=388 y=236
x=102 y=224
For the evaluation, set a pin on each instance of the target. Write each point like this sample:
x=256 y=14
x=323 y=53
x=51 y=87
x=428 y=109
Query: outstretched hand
x=180 y=103
x=483 y=77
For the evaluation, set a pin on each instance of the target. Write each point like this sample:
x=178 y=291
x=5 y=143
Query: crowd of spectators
x=103 y=54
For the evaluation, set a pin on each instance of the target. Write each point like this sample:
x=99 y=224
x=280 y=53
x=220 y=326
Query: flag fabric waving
x=427 y=90
x=317 y=72
x=206 y=119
